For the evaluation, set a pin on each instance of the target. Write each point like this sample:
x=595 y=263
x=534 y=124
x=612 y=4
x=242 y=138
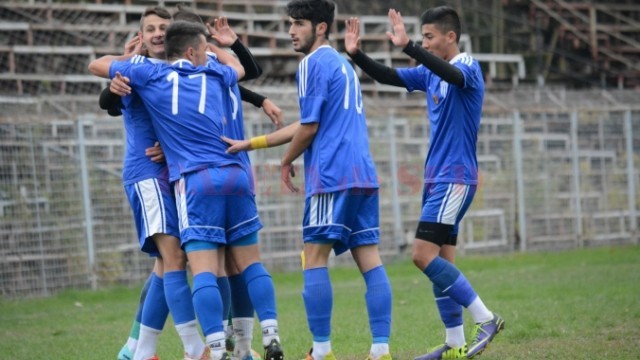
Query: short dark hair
x=158 y=11
x=182 y=35
x=185 y=13
x=444 y=18
x=316 y=11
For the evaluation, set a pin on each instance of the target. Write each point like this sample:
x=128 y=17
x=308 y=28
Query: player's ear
x=321 y=29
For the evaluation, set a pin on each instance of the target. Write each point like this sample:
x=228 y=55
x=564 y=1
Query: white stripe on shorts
x=452 y=203
x=181 y=204
x=321 y=210
x=152 y=206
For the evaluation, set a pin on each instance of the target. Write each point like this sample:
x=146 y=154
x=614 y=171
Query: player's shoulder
x=464 y=59
x=322 y=59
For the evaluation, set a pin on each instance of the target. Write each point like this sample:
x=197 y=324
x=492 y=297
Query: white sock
x=269 y=331
x=455 y=336
x=479 y=312
x=191 y=340
x=243 y=330
x=379 y=349
x=321 y=349
x=215 y=342
x=132 y=344
x=147 y=343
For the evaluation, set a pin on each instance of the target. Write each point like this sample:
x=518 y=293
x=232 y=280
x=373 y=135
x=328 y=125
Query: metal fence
x=552 y=177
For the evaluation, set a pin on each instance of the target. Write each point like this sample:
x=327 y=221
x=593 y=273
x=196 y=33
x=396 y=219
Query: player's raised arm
x=222 y=33
x=378 y=71
x=100 y=67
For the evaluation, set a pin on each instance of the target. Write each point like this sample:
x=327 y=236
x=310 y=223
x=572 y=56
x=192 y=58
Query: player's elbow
x=240 y=71
x=97 y=67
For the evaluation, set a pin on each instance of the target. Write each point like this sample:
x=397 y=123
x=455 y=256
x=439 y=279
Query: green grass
x=582 y=304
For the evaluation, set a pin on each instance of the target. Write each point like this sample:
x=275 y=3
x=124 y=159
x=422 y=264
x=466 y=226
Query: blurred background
x=559 y=143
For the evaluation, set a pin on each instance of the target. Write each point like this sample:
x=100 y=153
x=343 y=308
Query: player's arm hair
x=379 y=72
x=251 y=67
x=110 y=102
x=251 y=97
x=438 y=66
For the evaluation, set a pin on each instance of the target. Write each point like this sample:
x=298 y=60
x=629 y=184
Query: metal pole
x=36 y=194
x=631 y=183
x=86 y=199
x=517 y=157
x=398 y=234
x=575 y=162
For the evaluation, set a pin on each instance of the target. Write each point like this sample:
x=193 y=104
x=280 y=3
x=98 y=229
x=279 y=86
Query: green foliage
x=581 y=304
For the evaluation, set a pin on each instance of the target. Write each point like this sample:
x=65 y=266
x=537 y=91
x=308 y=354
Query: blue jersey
x=139 y=136
x=454 y=115
x=234 y=128
x=329 y=94
x=184 y=103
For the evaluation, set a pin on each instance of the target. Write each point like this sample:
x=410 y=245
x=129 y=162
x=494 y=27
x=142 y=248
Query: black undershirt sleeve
x=251 y=68
x=438 y=66
x=251 y=97
x=110 y=102
x=379 y=72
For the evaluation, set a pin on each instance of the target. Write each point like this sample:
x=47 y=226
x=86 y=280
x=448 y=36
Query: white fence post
x=86 y=200
x=517 y=158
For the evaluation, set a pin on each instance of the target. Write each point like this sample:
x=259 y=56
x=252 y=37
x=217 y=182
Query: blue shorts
x=154 y=211
x=446 y=203
x=347 y=218
x=215 y=204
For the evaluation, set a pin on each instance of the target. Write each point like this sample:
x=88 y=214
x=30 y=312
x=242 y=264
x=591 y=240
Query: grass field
x=582 y=304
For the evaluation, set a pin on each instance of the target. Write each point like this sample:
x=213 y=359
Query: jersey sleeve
x=471 y=72
x=414 y=78
x=313 y=89
x=137 y=71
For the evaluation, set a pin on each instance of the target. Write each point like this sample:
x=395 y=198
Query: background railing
x=551 y=178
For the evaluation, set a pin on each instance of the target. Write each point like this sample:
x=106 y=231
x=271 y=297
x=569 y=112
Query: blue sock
x=207 y=303
x=318 y=301
x=378 y=298
x=447 y=277
x=241 y=305
x=450 y=311
x=261 y=291
x=461 y=291
x=225 y=294
x=143 y=296
x=178 y=294
x=155 y=310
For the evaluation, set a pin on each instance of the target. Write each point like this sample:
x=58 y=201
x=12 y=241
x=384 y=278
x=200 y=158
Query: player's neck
x=318 y=43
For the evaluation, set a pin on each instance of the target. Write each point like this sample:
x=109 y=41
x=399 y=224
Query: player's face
x=438 y=43
x=153 y=29
x=303 y=35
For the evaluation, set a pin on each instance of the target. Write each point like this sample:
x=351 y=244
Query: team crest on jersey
x=444 y=87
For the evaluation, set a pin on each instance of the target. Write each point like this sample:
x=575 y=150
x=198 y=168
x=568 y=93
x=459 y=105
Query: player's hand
x=273 y=112
x=287 y=171
x=221 y=31
x=155 y=153
x=120 y=85
x=237 y=145
x=134 y=46
x=352 y=35
x=399 y=35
